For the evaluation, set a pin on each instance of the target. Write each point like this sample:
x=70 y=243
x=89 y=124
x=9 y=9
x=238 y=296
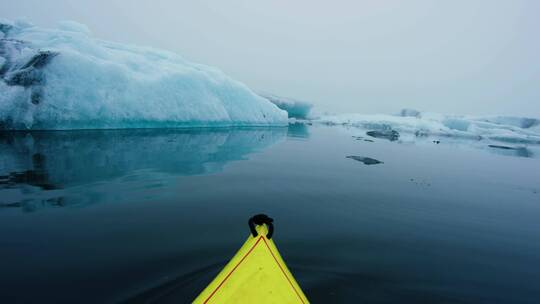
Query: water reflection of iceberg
x=297 y=130
x=64 y=159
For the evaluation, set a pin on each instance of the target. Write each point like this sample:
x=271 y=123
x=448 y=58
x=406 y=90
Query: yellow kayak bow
x=256 y=274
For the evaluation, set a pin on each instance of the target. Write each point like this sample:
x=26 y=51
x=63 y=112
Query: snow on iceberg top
x=64 y=78
x=498 y=128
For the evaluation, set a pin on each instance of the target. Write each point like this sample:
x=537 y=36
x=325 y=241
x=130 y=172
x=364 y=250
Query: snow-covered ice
x=418 y=124
x=64 y=78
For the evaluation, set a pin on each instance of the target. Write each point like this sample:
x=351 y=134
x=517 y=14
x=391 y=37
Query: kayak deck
x=256 y=274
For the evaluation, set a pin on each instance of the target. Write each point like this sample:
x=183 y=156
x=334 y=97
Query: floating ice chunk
x=456 y=124
x=498 y=128
x=391 y=135
x=520 y=122
x=295 y=108
x=65 y=79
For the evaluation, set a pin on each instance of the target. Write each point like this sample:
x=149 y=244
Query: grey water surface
x=151 y=216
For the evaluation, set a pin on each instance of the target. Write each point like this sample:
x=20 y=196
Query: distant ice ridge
x=498 y=128
x=295 y=108
x=64 y=78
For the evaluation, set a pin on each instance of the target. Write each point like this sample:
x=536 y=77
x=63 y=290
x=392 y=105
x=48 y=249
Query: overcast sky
x=468 y=57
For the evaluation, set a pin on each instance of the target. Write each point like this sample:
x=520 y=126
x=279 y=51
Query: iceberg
x=63 y=78
x=422 y=124
x=295 y=108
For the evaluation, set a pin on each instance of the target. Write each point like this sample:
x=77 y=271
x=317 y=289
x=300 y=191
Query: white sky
x=469 y=57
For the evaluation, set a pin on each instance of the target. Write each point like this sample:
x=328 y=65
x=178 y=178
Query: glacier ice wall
x=64 y=78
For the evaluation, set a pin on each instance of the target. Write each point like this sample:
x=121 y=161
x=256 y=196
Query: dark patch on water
x=422 y=183
x=37 y=176
x=365 y=160
x=363 y=139
x=298 y=130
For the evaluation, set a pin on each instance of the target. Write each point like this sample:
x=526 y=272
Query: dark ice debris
x=421 y=133
x=512 y=151
x=5 y=28
x=391 y=135
x=437 y=142
x=36 y=97
x=25 y=78
x=29 y=75
x=362 y=138
x=365 y=160
x=502 y=147
x=40 y=60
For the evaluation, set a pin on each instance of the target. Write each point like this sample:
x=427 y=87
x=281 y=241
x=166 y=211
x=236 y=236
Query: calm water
x=108 y=216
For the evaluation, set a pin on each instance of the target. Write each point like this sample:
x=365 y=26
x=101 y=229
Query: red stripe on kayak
x=283 y=271
x=240 y=262
x=228 y=275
